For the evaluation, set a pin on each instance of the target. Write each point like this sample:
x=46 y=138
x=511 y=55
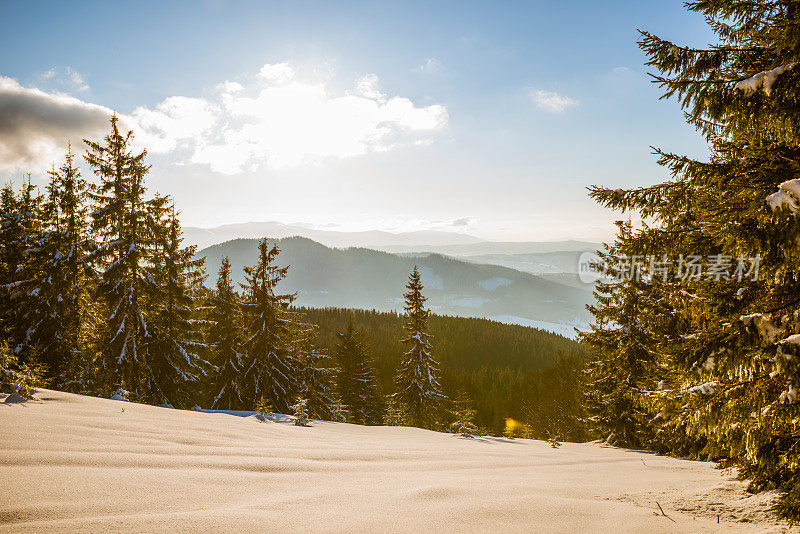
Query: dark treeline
x=99 y=295
x=507 y=370
x=701 y=358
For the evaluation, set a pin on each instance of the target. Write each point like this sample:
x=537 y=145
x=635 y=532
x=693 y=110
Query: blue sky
x=490 y=118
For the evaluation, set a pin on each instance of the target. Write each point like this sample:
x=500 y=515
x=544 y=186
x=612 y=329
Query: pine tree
x=315 y=373
x=356 y=385
x=270 y=363
x=621 y=365
x=126 y=228
x=728 y=359
x=417 y=378
x=394 y=413
x=61 y=312
x=224 y=337
x=174 y=341
x=8 y=260
x=20 y=230
x=464 y=415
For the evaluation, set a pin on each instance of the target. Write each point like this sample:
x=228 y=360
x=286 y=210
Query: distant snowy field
x=566 y=329
x=71 y=463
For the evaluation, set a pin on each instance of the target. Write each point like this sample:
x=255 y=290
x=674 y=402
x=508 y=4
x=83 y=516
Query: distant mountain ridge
x=370 y=279
x=423 y=241
x=205 y=237
x=486 y=248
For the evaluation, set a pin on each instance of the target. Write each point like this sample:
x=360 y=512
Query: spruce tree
x=174 y=339
x=270 y=365
x=356 y=385
x=315 y=375
x=621 y=344
x=119 y=222
x=225 y=323
x=417 y=379
x=8 y=260
x=19 y=233
x=394 y=413
x=464 y=415
x=728 y=357
x=61 y=312
x=147 y=282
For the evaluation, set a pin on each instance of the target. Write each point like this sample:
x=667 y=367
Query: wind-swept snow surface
x=79 y=464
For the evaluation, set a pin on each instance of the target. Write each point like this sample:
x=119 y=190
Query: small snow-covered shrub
x=300 y=412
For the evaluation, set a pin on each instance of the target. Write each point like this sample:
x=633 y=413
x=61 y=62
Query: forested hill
x=369 y=279
x=504 y=368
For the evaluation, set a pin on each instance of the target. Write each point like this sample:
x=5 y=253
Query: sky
x=489 y=118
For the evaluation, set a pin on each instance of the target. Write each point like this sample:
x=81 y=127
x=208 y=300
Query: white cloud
x=463 y=222
x=430 y=64
x=367 y=86
x=65 y=79
x=230 y=87
x=551 y=101
x=620 y=70
x=175 y=120
x=77 y=80
x=285 y=122
x=279 y=121
x=276 y=72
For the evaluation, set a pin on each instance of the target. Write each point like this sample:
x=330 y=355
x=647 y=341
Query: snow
x=274 y=417
x=706 y=388
x=468 y=302
x=185 y=471
x=780 y=200
x=490 y=284
x=566 y=328
x=430 y=279
x=794 y=339
x=120 y=395
x=791 y=186
x=766 y=329
x=787 y=196
x=764 y=78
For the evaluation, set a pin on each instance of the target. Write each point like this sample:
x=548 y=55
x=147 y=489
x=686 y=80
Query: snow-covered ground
x=71 y=463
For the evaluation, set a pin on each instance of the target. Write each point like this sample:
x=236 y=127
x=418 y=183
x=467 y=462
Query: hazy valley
x=371 y=279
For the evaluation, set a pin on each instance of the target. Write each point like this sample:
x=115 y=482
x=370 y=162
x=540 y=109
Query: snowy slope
x=79 y=464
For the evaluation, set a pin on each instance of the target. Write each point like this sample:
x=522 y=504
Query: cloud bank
x=35 y=126
x=275 y=120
